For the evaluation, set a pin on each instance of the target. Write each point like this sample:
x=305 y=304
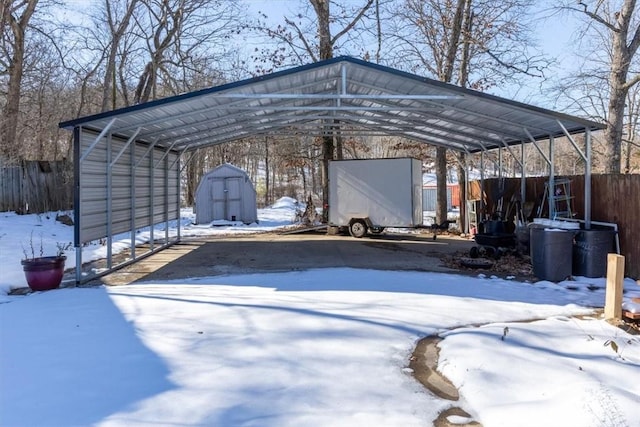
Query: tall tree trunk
x=9 y=126
x=615 y=119
x=441 y=152
x=324 y=30
x=627 y=156
x=462 y=184
x=321 y=8
x=623 y=50
x=327 y=155
x=454 y=39
x=462 y=81
x=304 y=179
x=326 y=43
x=117 y=32
x=194 y=174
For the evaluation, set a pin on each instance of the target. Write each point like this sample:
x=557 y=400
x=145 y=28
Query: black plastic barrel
x=590 y=252
x=551 y=253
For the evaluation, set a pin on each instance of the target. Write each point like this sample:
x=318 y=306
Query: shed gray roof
x=364 y=97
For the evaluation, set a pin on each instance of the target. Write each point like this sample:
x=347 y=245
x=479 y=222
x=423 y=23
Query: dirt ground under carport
x=269 y=252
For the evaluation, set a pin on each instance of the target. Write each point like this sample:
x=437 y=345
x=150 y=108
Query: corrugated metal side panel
x=429 y=196
x=455 y=195
x=130 y=197
x=93 y=189
x=429 y=199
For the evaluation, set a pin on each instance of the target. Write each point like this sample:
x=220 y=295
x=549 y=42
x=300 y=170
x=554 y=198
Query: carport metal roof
x=128 y=161
x=365 y=98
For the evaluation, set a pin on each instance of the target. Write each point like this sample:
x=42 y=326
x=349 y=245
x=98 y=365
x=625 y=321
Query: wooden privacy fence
x=614 y=199
x=36 y=186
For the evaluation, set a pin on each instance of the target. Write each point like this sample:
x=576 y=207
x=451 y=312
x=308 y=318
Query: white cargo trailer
x=369 y=195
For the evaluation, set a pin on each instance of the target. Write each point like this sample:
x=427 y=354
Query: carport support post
x=552 y=175
x=587 y=180
x=166 y=200
x=109 y=207
x=482 y=185
x=77 y=131
x=523 y=179
x=152 y=189
x=132 y=183
x=613 y=296
x=178 y=188
x=466 y=197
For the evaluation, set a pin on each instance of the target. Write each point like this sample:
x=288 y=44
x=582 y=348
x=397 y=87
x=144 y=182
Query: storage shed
x=226 y=193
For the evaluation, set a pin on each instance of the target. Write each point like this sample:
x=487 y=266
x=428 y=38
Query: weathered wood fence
x=614 y=199
x=36 y=186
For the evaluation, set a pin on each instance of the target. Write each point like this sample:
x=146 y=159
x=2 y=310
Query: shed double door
x=227 y=198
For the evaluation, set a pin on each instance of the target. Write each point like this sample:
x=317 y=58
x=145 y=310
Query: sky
x=315 y=347
x=553 y=32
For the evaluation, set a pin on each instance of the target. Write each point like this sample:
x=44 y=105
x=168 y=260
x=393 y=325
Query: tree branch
x=302 y=38
x=632 y=81
x=353 y=23
x=596 y=17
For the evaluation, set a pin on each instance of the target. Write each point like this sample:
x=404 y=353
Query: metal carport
x=128 y=161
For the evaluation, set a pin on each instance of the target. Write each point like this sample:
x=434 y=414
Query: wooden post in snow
x=613 y=297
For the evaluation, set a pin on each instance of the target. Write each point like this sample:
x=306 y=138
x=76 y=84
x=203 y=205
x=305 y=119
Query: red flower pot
x=44 y=273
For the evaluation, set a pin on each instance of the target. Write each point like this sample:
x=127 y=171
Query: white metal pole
x=109 y=198
x=587 y=180
x=178 y=188
x=482 y=208
x=552 y=174
x=523 y=180
x=77 y=167
x=132 y=181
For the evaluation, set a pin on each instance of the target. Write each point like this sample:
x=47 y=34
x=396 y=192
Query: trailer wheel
x=358 y=228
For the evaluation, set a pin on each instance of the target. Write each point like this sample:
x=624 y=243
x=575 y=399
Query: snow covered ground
x=318 y=347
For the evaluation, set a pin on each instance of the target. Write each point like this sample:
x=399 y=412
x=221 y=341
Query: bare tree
x=317 y=34
x=618 y=21
x=15 y=18
x=181 y=37
x=630 y=135
x=473 y=43
x=118 y=18
x=33 y=81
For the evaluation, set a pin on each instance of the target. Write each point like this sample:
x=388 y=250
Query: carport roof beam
x=149 y=148
x=340 y=96
x=573 y=142
x=98 y=139
x=508 y=147
x=360 y=87
x=124 y=148
x=535 y=144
